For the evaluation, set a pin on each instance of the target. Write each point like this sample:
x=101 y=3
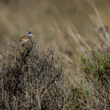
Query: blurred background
x=69 y=27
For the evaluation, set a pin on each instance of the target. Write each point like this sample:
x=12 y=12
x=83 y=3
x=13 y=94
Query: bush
x=78 y=98
x=96 y=69
x=97 y=66
x=31 y=79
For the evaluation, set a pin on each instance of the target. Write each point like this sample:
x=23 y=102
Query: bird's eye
x=29 y=32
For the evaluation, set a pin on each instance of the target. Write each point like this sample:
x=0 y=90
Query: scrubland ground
x=69 y=28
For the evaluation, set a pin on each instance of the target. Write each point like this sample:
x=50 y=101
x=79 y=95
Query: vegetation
x=31 y=79
x=34 y=77
x=98 y=67
x=78 y=98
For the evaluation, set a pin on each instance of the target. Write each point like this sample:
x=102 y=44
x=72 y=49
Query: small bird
x=25 y=38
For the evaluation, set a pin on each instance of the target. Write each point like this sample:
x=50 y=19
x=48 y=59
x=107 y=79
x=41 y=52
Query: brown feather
x=24 y=39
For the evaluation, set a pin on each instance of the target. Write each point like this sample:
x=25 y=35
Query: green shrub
x=97 y=66
x=96 y=69
x=78 y=98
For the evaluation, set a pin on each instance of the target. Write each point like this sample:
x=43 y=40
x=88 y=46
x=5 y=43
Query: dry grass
x=69 y=27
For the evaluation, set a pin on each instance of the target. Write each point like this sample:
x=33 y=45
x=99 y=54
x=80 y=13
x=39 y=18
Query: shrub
x=78 y=98
x=96 y=69
x=97 y=66
x=31 y=79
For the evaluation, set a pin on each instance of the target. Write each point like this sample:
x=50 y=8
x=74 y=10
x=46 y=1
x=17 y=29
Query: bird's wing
x=23 y=37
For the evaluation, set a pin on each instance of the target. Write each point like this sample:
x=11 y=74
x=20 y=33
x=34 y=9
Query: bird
x=25 y=38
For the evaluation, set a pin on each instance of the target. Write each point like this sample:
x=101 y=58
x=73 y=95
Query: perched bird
x=25 y=38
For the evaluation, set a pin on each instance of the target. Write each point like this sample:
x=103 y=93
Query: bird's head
x=29 y=34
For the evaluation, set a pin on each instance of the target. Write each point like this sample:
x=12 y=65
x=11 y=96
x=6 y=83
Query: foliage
x=97 y=66
x=78 y=97
x=96 y=69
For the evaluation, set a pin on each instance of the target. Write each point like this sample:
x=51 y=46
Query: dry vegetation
x=34 y=78
x=31 y=79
